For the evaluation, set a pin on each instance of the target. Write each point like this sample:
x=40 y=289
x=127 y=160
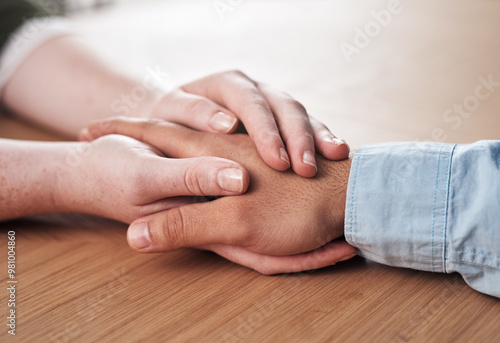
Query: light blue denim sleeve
x=428 y=206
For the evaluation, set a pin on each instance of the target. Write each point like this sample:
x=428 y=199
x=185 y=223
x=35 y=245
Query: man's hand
x=83 y=87
x=279 y=125
x=274 y=227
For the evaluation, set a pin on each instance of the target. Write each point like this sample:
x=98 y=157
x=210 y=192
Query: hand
x=271 y=117
x=124 y=179
x=275 y=227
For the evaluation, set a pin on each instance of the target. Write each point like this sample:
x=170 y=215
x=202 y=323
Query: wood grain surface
x=79 y=282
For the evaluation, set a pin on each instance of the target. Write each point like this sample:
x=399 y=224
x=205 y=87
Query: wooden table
x=79 y=282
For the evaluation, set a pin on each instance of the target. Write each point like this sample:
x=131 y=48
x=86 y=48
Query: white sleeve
x=32 y=34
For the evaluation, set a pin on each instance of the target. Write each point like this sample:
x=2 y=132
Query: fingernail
x=284 y=155
x=338 y=141
x=138 y=235
x=84 y=134
x=308 y=158
x=347 y=257
x=230 y=180
x=222 y=122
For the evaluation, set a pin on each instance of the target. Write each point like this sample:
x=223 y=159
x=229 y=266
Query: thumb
x=187 y=226
x=200 y=176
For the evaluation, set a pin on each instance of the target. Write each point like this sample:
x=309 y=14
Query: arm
x=26 y=180
x=115 y=177
x=68 y=85
x=424 y=206
x=432 y=207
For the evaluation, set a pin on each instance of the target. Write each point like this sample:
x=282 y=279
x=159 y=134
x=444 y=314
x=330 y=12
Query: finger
x=84 y=135
x=327 y=144
x=172 y=139
x=295 y=128
x=325 y=256
x=196 y=112
x=202 y=176
x=167 y=204
x=238 y=93
x=188 y=226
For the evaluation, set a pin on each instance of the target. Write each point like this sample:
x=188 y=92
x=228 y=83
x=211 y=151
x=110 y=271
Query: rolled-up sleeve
x=428 y=206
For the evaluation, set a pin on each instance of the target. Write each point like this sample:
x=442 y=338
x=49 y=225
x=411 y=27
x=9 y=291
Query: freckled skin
x=283 y=223
x=294 y=213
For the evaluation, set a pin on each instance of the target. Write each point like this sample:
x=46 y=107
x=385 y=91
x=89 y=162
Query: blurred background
x=372 y=70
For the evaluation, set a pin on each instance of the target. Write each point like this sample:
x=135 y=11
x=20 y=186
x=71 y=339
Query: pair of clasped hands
x=276 y=209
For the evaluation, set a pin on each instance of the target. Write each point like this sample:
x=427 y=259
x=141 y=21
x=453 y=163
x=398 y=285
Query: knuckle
x=152 y=122
x=149 y=125
x=238 y=76
x=235 y=73
x=154 y=129
x=102 y=127
x=291 y=105
x=306 y=138
x=242 y=234
x=199 y=105
x=257 y=100
x=173 y=230
x=138 y=183
x=192 y=178
x=267 y=138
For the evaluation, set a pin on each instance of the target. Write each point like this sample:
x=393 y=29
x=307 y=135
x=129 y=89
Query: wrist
x=31 y=173
x=337 y=174
x=69 y=191
x=345 y=170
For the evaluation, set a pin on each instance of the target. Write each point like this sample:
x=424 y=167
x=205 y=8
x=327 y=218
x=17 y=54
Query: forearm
x=67 y=85
x=30 y=175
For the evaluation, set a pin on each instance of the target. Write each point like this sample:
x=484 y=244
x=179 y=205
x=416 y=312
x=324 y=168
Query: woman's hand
x=284 y=223
x=279 y=126
x=121 y=178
